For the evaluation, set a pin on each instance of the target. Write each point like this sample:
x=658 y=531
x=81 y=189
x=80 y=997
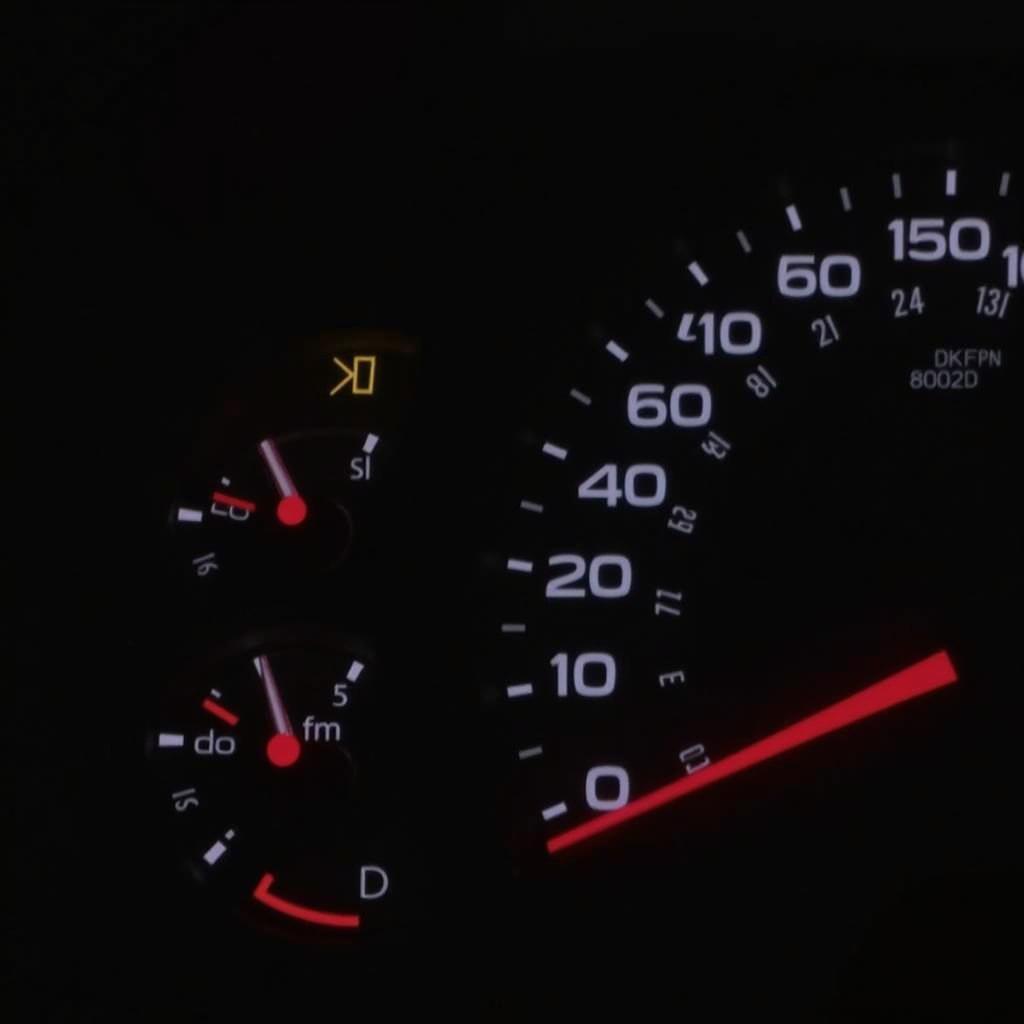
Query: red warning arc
x=328 y=919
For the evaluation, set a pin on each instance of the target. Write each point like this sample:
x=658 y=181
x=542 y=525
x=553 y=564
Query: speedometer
x=772 y=503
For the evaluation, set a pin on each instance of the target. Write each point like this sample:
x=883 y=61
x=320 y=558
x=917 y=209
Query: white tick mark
x=554 y=811
x=616 y=350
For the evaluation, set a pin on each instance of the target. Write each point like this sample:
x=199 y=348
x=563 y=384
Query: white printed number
x=993 y=302
x=643 y=486
x=735 y=334
x=903 y=305
x=607 y=787
x=1014 y=256
x=592 y=674
x=607 y=577
x=836 y=277
x=688 y=405
x=928 y=240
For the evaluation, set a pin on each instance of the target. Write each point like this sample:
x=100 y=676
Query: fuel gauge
x=273 y=762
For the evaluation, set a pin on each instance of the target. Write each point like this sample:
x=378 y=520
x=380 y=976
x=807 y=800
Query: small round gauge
x=290 y=476
x=273 y=764
x=289 y=506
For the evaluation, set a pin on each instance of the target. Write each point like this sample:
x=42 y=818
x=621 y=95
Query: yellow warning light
x=361 y=375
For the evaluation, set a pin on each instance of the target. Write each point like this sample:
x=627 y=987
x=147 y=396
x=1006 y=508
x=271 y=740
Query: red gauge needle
x=291 y=509
x=283 y=748
x=930 y=674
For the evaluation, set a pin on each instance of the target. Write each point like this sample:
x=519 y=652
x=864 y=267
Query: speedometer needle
x=931 y=673
x=291 y=509
x=283 y=748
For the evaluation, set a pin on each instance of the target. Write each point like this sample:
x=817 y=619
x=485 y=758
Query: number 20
x=608 y=577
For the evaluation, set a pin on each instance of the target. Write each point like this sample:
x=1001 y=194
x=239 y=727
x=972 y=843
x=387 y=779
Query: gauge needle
x=931 y=673
x=283 y=748
x=291 y=509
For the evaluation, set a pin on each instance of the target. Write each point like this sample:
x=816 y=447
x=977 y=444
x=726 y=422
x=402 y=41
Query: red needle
x=930 y=674
x=291 y=509
x=283 y=748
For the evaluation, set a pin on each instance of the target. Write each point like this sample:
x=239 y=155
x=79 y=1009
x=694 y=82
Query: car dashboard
x=513 y=513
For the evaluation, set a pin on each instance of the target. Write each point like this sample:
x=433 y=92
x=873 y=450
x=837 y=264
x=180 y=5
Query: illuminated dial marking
x=554 y=811
x=220 y=712
x=616 y=351
x=698 y=274
x=218 y=849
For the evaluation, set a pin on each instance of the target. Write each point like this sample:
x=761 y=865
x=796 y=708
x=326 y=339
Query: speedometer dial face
x=772 y=506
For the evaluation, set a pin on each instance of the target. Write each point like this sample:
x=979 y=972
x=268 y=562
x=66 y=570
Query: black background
x=188 y=189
